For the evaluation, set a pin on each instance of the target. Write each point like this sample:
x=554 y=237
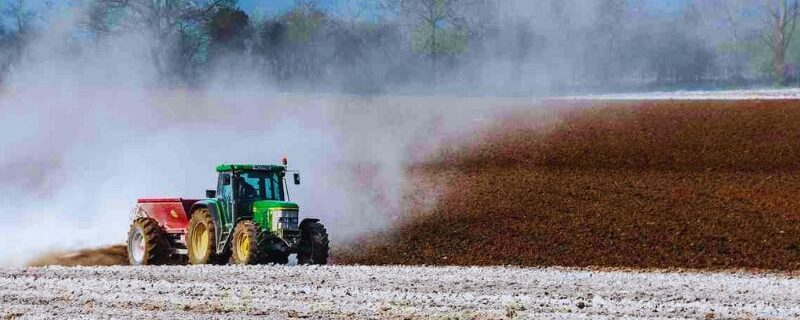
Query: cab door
x=225 y=197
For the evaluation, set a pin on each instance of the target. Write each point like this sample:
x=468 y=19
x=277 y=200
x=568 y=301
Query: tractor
x=247 y=220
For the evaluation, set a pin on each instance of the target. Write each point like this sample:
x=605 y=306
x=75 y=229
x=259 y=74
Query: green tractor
x=248 y=219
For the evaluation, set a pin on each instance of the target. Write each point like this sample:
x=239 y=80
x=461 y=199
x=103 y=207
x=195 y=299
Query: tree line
x=497 y=46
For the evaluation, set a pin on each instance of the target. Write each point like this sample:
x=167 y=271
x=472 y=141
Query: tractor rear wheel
x=247 y=247
x=201 y=241
x=147 y=243
x=313 y=247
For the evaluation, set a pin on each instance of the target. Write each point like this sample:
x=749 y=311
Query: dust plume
x=88 y=129
x=107 y=256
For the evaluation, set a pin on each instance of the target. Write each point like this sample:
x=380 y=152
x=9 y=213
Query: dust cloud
x=87 y=131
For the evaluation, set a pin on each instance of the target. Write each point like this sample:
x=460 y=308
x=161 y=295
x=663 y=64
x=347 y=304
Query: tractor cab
x=250 y=183
x=258 y=193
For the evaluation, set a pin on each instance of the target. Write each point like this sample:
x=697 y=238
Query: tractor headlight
x=285 y=219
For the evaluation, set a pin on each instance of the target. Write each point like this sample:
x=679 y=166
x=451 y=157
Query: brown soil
x=106 y=256
x=673 y=184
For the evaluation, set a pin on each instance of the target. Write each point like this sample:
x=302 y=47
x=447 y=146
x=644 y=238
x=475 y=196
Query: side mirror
x=297 y=178
x=210 y=194
x=226 y=180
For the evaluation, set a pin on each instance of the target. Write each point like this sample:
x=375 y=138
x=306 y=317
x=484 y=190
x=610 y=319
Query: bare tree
x=735 y=21
x=609 y=28
x=782 y=17
x=21 y=18
x=733 y=11
x=432 y=13
x=170 y=24
x=351 y=11
x=432 y=18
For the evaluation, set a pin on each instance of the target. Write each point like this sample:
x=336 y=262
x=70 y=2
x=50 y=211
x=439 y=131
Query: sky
x=265 y=6
x=272 y=7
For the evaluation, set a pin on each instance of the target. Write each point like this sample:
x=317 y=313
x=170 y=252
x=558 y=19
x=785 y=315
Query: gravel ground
x=354 y=292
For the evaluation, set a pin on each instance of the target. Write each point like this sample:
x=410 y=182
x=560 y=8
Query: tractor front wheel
x=147 y=244
x=247 y=247
x=313 y=247
x=201 y=241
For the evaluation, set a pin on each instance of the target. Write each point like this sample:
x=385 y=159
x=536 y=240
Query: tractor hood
x=269 y=213
x=262 y=205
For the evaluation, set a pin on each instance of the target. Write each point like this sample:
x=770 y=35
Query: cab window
x=224 y=191
x=259 y=185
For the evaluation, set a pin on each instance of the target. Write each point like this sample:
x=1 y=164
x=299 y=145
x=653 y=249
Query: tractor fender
x=138 y=213
x=307 y=220
x=212 y=209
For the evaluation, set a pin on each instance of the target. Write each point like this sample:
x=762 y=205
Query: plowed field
x=668 y=184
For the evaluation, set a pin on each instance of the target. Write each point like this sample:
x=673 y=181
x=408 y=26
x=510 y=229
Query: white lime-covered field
x=745 y=94
x=354 y=292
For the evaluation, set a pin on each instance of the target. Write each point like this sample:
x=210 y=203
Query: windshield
x=259 y=185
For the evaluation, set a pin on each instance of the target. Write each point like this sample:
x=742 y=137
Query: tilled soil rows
x=683 y=184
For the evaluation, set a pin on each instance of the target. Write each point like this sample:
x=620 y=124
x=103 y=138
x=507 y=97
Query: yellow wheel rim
x=242 y=247
x=200 y=240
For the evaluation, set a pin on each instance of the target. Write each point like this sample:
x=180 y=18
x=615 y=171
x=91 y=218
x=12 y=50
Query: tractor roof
x=261 y=167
